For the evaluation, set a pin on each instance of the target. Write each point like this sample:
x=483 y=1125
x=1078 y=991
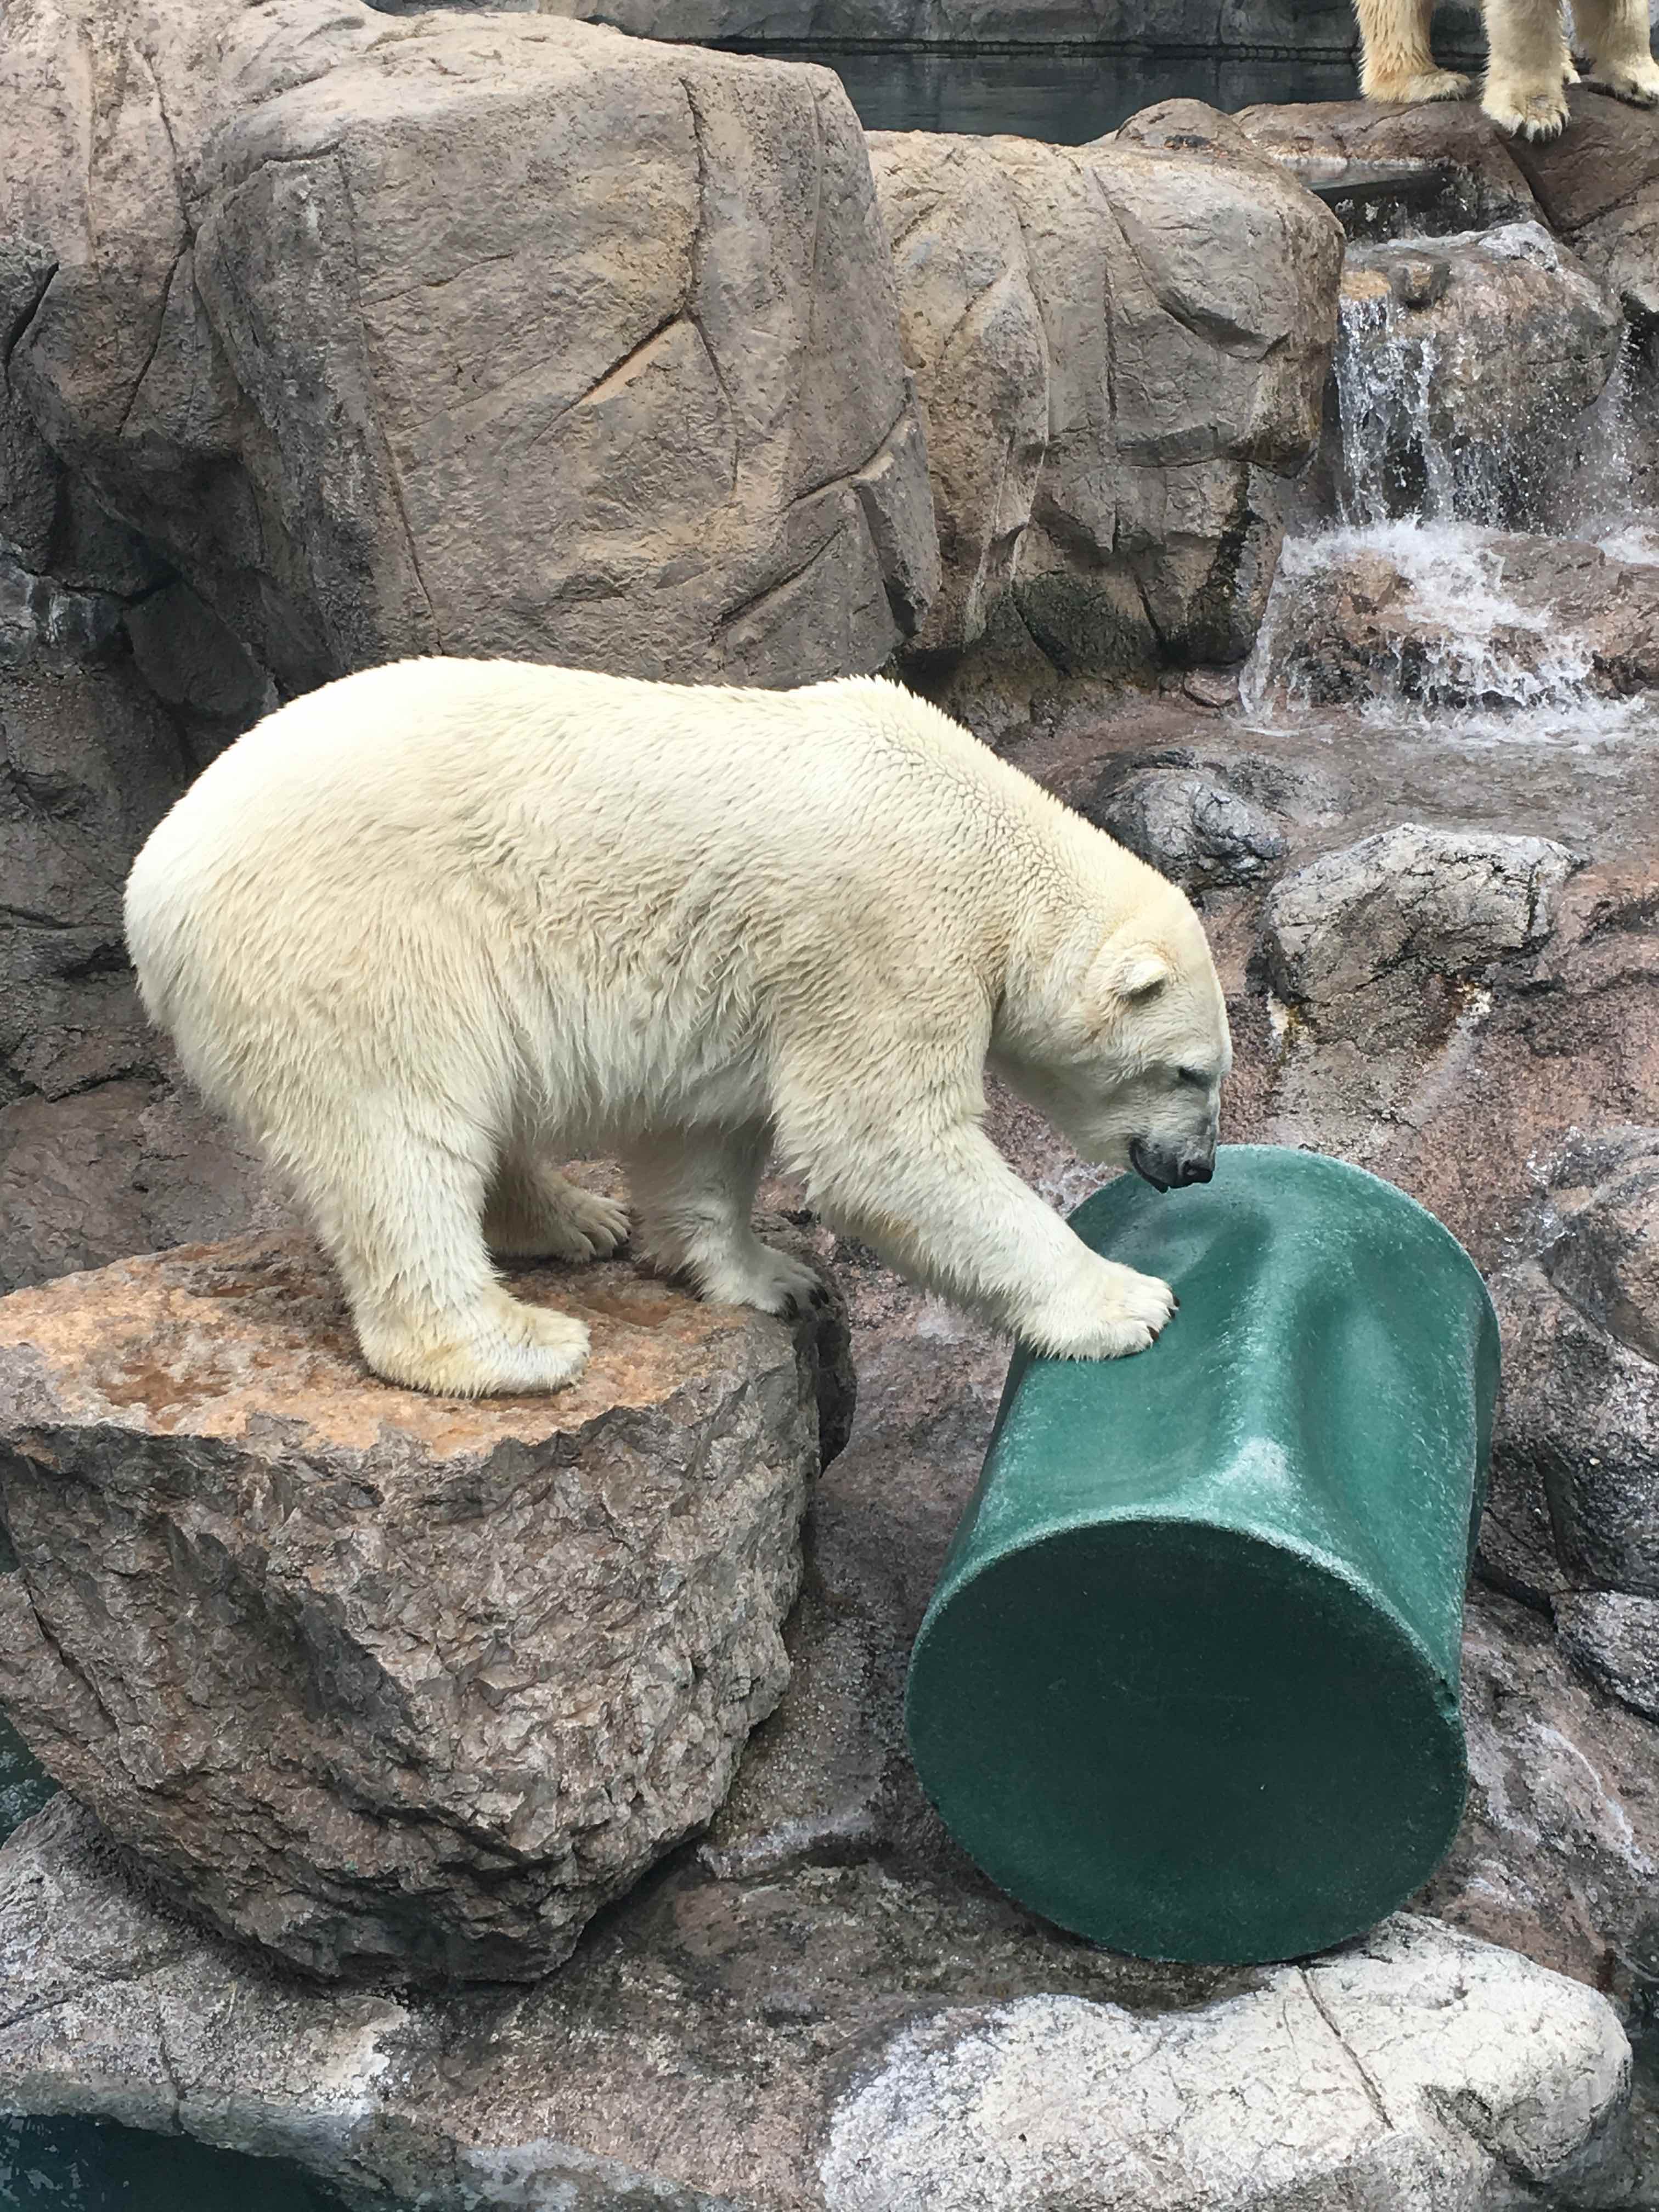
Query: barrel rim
x=1443 y=1698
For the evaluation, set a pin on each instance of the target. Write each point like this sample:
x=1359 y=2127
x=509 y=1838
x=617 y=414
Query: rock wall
x=1116 y=348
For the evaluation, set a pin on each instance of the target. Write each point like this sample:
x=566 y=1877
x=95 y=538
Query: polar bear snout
x=1169 y=1166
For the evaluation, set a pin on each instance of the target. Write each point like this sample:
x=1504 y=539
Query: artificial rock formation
x=1117 y=347
x=391 y=1685
x=449 y=336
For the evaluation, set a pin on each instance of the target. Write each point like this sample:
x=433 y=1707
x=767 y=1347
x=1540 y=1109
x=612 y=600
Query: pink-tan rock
x=393 y=1685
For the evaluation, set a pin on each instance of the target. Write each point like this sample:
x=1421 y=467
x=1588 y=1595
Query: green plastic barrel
x=1189 y=1684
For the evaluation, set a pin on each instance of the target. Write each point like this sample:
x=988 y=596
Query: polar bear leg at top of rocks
x=1396 y=62
x=1615 y=39
x=1525 y=88
x=428 y=930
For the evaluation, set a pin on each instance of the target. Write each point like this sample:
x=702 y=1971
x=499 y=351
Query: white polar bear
x=1529 y=63
x=432 y=928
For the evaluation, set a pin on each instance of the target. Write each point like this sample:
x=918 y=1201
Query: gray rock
x=1579 y=1422
x=661 y=423
x=1425 y=2070
x=1115 y=346
x=1615 y=1639
x=1407 y=904
x=1192 y=828
x=391 y=1685
x=1560 y=1843
x=699 y=2058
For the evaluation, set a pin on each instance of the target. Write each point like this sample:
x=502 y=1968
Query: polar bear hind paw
x=755 y=1275
x=503 y=1348
x=1426 y=84
x=545 y=1217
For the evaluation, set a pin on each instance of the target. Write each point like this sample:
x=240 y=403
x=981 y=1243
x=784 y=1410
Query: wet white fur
x=1529 y=61
x=435 y=927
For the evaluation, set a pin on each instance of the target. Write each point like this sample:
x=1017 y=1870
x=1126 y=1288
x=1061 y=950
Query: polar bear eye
x=1195 y=1076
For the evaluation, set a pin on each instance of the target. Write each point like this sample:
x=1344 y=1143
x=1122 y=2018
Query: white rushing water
x=1435 y=511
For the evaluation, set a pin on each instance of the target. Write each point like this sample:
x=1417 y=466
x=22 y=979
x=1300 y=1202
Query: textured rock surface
x=1614 y=1638
x=1380 y=2047
x=1421 y=2062
x=1197 y=829
x=1579 y=1429
x=388 y=1684
x=1412 y=908
x=1112 y=344
x=505 y=335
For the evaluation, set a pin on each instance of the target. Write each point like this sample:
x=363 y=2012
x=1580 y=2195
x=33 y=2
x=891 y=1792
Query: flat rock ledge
x=791 y=2046
x=398 y=1687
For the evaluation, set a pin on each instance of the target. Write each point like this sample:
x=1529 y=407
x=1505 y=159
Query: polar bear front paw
x=1528 y=111
x=1112 y=1312
x=1635 y=80
x=501 y=1349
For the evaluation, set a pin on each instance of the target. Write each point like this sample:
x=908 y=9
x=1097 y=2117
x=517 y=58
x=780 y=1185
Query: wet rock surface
x=1469 y=618
x=395 y=1686
x=1465 y=362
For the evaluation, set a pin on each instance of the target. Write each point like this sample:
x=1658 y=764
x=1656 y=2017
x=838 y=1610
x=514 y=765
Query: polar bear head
x=1124 y=1043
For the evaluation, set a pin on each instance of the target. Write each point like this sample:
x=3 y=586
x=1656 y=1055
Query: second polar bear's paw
x=1114 y=1310
x=1426 y=84
x=1635 y=80
x=550 y=1218
x=1527 y=109
x=502 y=1348
x=755 y=1275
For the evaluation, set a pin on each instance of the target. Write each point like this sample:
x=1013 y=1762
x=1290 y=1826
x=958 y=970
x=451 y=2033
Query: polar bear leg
x=1525 y=88
x=1615 y=37
x=401 y=1217
x=694 y=1195
x=534 y=1213
x=1396 y=62
x=952 y=1213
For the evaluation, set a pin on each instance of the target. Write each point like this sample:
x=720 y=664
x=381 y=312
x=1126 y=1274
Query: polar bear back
x=471 y=876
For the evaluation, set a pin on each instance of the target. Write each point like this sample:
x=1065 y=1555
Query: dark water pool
x=1067 y=97
x=79 y=2165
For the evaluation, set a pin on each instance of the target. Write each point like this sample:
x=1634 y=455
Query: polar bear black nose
x=1195 y=1164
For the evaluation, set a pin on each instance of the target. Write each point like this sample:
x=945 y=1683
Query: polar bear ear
x=1129 y=975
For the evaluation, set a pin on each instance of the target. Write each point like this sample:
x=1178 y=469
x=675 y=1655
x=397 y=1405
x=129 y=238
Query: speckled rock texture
x=394 y=1685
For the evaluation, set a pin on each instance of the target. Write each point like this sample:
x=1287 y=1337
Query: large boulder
x=1117 y=347
x=462 y=335
x=393 y=1685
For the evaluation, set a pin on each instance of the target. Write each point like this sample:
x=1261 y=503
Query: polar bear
x=432 y=928
x=1529 y=63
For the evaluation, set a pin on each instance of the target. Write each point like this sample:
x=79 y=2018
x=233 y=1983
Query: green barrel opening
x=1189 y=1684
